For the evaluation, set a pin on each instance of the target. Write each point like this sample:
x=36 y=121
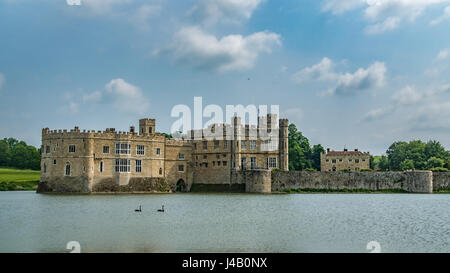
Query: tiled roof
x=341 y=153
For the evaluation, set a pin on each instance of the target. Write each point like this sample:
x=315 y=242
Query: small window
x=328 y=160
x=218 y=163
x=205 y=157
x=225 y=144
x=47 y=149
x=180 y=156
x=138 y=166
x=340 y=160
x=150 y=130
x=71 y=148
x=214 y=163
x=217 y=156
x=253 y=163
x=205 y=145
x=181 y=168
x=272 y=162
x=243 y=145
x=101 y=166
x=123 y=148
x=54 y=161
x=252 y=144
x=224 y=163
x=158 y=151
x=122 y=166
x=106 y=149
x=140 y=150
x=333 y=161
x=160 y=171
x=45 y=168
x=356 y=160
x=67 y=170
x=195 y=146
x=216 y=144
x=349 y=160
x=243 y=163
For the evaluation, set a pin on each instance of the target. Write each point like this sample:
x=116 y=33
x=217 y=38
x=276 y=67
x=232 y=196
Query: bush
x=439 y=169
x=345 y=170
x=366 y=170
x=310 y=170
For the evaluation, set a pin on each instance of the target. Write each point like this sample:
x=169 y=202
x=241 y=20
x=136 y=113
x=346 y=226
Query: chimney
x=328 y=150
x=131 y=129
x=356 y=150
x=345 y=150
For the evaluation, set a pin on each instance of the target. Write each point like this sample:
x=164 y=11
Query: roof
x=342 y=153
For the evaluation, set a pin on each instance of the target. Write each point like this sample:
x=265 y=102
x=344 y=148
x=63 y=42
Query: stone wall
x=68 y=184
x=441 y=181
x=418 y=181
x=256 y=181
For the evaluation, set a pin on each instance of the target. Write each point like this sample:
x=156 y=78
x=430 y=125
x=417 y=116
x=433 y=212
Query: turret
x=147 y=126
x=283 y=147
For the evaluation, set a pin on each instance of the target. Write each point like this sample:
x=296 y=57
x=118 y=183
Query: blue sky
x=353 y=73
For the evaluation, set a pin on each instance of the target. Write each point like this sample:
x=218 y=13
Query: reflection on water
x=31 y=222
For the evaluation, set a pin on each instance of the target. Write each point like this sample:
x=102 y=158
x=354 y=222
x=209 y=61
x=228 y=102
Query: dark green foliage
x=301 y=155
x=439 y=169
x=18 y=154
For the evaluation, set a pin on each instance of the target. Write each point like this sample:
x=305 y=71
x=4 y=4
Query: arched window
x=67 y=169
x=160 y=171
x=101 y=166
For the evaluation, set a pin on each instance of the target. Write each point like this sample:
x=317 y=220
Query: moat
x=31 y=222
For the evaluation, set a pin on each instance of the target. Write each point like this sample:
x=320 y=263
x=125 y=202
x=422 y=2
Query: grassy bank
x=16 y=180
x=342 y=191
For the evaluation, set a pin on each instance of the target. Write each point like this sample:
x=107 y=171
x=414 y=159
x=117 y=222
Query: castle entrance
x=181 y=186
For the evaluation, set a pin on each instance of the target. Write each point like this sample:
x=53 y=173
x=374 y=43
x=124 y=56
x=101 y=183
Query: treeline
x=413 y=155
x=17 y=154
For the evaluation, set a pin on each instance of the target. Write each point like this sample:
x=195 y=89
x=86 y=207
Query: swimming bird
x=161 y=209
x=138 y=210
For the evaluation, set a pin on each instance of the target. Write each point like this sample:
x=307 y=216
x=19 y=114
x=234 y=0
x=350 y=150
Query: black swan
x=161 y=209
x=138 y=210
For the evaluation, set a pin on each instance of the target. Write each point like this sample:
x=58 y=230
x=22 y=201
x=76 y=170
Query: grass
x=16 y=180
x=342 y=191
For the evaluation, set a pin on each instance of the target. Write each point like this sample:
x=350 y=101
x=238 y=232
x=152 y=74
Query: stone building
x=344 y=160
x=98 y=161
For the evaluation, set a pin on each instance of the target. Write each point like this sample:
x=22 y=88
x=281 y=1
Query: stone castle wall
x=417 y=181
x=441 y=181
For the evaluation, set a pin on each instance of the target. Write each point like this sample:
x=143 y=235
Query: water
x=31 y=222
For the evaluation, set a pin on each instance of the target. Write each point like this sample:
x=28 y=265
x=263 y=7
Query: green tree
x=407 y=164
x=315 y=155
x=300 y=153
x=383 y=163
x=5 y=153
x=435 y=162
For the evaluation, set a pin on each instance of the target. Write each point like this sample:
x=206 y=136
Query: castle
x=344 y=160
x=104 y=161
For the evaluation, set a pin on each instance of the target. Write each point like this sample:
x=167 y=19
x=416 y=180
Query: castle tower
x=147 y=126
x=283 y=147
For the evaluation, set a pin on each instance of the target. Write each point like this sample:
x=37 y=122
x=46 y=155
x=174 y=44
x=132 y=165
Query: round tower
x=283 y=147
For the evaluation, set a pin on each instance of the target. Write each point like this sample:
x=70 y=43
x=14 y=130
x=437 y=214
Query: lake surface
x=31 y=222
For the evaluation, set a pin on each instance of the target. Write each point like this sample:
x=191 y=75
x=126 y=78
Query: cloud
x=122 y=95
x=443 y=17
x=443 y=54
x=103 y=6
x=141 y=16
x=385 y=15
x=407 y=96
x=377 y=114
x=344 y=84
x=2 y=80
x=433 y=117
x=193 y=47
x=388 y=24
x=234 y=11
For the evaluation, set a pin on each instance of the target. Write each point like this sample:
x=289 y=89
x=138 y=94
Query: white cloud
x=385 y=15
x=388 y=24
x=443 y=17
x=194 y=47
x=2 y=80
x=123 y=96
x=433 y=117
x=443 y=54
x=142 y=15
x=407 y=96
x=103 y=6
x=377 y=114
x=233 y=11
x=344 y=84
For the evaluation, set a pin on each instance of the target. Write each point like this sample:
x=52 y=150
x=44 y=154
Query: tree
x=315 y=155
x=5 y=153
x=301 y=155
x=407 y=164
x=435 y=162
x=17 y=154
x=383 y=164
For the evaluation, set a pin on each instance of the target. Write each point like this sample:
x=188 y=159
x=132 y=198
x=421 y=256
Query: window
x=45 y=168
x=243 y=145
x=252 y=144
x=54 y=161
x=122 y=166
x=333 y=161
x=244 y=163
x=180 y=156
x=205 y=157
x=217 y=156
x=158 y=151
x=253 y=163
x=218 y=163
x=123 y=148
x=356 y=160
x=101 y=166
x=272 y=162
x=216 y=144
x=181 y=168
x=195 y=146
x=340 y=160
x=71 y=148
x=47 y=149
x=214 y=163
x=160 y=171
x=349 y=160
x=67 y=171
x=224 y=163
x=225 y=144
x=140 y=150
x=270 y=145
x=150 y=130
x=138 y=166
x=106 y=149
x=205 y=145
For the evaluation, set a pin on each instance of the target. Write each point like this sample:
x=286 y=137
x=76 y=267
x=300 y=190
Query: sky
x=348 y=73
